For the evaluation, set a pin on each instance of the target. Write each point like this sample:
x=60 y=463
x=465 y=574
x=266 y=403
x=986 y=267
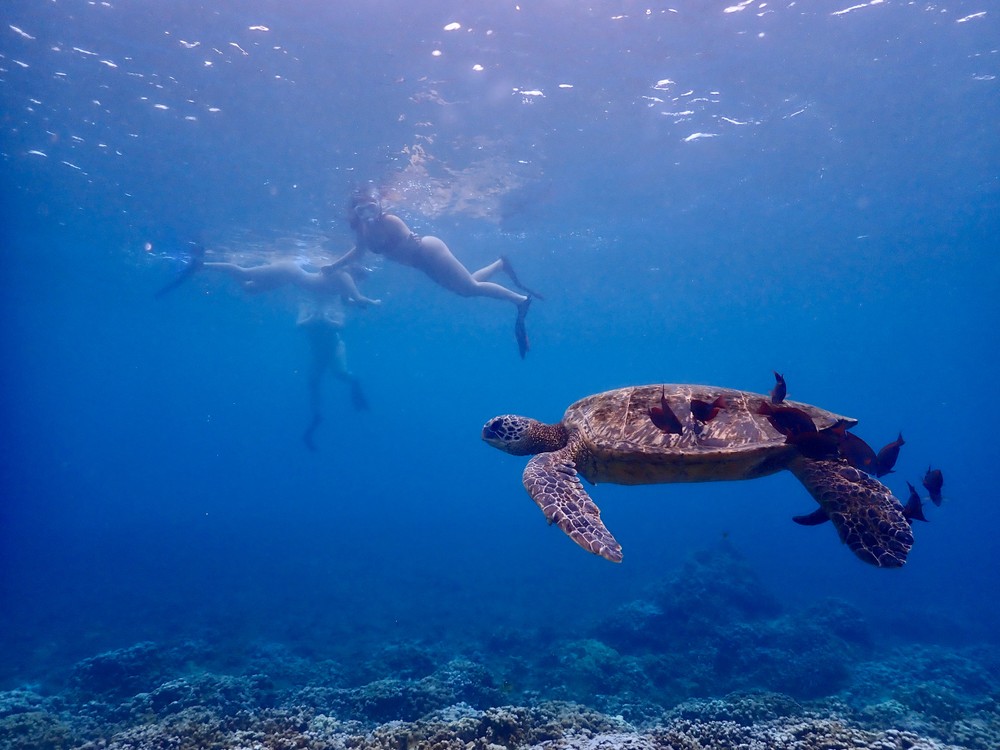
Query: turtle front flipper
x=552 y=482
x=868 y=518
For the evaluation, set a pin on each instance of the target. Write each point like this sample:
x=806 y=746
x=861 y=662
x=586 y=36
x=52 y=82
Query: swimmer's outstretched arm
x=348 y=288
x=355 y=253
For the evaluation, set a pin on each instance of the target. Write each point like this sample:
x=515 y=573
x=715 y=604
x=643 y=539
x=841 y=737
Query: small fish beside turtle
x=653 y=434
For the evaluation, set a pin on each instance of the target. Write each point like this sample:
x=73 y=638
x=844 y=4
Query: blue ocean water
x=702 y=194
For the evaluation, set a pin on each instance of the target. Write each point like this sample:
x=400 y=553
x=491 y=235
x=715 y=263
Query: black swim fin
x=520 y=332
x=192 y=264
x=358 y=398
x=307 y=436
x=509 y=270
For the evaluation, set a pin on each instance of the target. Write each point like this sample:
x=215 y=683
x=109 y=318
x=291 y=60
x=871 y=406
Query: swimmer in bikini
x=387 y=235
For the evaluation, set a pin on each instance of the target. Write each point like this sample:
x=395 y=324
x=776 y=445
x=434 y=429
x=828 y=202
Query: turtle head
x=523 y=436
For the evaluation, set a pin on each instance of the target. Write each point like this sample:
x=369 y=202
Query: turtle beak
x=491 y=434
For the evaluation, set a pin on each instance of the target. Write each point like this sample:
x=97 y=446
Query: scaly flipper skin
x=868 y=518
x=552 y=482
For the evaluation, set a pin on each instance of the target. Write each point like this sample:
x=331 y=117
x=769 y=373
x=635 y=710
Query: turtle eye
x=494 y=427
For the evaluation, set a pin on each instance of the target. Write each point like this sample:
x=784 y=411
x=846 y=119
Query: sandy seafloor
x=702 y=192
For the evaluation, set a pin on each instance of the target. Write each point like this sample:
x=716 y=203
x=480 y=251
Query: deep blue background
x=154 y=483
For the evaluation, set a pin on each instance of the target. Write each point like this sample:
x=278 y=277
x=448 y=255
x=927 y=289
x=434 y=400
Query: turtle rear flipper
x=868 y=518
x=552 y=482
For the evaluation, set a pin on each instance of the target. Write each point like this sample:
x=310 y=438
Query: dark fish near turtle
x=933 y=482
x=780 y=389
x=914 y=508
x=858 y=453
x=788 y=420
x=887 y=456
x=705 y=411
x=664 y=418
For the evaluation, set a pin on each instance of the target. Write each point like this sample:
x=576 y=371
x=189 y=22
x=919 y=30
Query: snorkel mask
x=369 y=210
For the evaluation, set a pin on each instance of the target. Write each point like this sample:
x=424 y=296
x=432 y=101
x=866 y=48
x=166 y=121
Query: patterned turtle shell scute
x=618 y=422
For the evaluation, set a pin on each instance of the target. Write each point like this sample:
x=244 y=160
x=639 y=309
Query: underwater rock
x=933 y=680
x=35 y=730
x=585 y=668
x=120 y=673
x=799 y=733
x=713 y=630
x=633 y=627
x=29 y=721
x=939 y=692
x=506 y=727
x=191 y=729
x=226 y=695
x=285 y=667
x=713 y=588
x=22 y=701
x=839 y=618
x=717 y=586
x=545 y=726
x=682 y=675
x=913 y=699
x=469 y=682
x=403 y=660
x=804 y=680
x=393 y=699
x=744 y=708
x=455 y=728
x=892 y=713
x=783 y=655
x=980 y=732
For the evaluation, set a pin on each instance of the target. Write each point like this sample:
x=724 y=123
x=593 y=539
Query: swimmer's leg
x=358 y=399
x=439 y=263
x=247 y=278
x=322 y=352
x=315 y=408
x=487 y=272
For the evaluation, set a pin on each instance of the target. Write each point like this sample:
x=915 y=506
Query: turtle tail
x=868 y=518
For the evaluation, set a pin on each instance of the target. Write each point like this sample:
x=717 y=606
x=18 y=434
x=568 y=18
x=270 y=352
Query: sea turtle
x=708 y=434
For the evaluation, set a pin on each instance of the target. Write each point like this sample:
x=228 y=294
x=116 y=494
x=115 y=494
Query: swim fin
x=520 y=332
x=192 y=264
x=358 y=398
x=509 y=270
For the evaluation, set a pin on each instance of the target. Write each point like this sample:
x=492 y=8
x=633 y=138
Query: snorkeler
x=322 y=325
x=326 y=282
x=387 y=234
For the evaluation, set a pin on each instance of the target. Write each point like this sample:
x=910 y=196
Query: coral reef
x=392 y=699
x=736 y=671
x=714 y=629
x=713 y=589
x=548 y=726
